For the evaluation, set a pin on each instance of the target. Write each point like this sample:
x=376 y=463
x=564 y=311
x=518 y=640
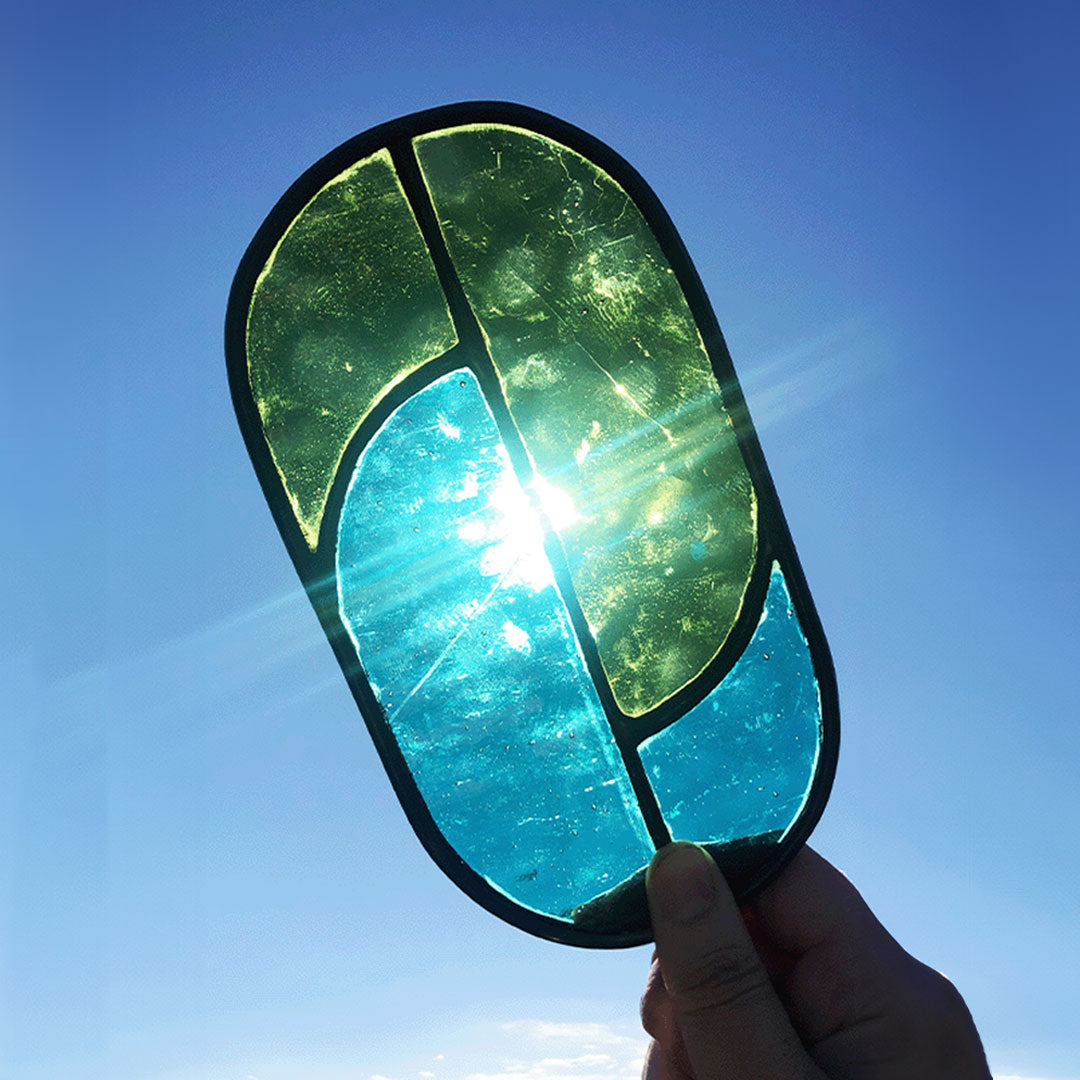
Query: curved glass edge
x=448 y=596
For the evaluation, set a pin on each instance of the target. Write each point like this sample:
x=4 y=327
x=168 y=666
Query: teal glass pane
x=448 y=596
x=739 y=765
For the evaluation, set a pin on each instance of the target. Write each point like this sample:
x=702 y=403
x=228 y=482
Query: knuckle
x=937 y=1026
x=952 y=1016
x=941 y=1002
x=722 y=977
x=656 y=1011
x=651 y=1017
x=952 y=1002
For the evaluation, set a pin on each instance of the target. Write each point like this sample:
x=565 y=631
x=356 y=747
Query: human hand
x=803 y=984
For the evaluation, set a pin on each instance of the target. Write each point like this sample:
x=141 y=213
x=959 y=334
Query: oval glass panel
x=504 y=444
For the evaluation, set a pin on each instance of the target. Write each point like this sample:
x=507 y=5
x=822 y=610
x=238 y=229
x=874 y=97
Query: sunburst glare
x=514 y=532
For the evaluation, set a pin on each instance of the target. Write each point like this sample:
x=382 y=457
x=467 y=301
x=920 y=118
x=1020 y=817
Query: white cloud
x=523 y=1049
x=584 y=1067
x=1017 y=1076
x=567 y=1050
x=588 y=1035
x=583 y=1059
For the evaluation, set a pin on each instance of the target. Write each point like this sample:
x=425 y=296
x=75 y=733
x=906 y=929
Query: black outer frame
x=317 y=571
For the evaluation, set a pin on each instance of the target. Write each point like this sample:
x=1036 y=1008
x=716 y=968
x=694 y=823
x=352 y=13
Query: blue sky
x=203 y=870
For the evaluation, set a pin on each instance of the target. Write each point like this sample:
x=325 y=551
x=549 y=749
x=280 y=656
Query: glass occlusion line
x=471 y=336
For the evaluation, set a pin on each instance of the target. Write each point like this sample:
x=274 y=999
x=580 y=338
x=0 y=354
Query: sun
x=512 y=529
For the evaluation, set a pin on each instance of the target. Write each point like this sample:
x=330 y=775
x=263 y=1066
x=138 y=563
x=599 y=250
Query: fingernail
x=680 y=879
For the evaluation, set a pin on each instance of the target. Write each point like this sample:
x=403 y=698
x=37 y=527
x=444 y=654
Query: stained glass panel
x=501 y=436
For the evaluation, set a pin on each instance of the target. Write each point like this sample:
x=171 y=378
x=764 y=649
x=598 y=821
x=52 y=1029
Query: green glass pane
x=607 y=379
x=347 y=304
x=450 y=602
x=741 y=763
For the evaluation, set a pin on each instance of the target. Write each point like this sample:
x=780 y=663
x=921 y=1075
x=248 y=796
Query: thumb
x=731 y=1021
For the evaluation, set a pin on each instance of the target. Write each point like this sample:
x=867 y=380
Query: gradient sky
x=203 y=870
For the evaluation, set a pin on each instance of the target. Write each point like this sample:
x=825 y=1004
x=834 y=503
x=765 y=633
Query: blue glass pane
x=448 y=596
x=756 y=735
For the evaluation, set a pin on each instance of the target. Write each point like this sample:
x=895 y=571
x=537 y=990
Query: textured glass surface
x=448 y=595
x=347 y=304
x=608 y=381
x=741 y=762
